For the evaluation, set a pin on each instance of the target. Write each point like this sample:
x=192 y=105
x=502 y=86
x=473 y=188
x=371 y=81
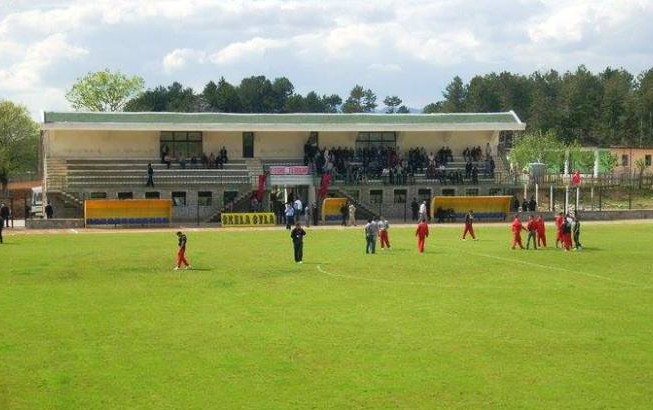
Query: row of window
x=188 y=144
x=400 y=196
x=179 y=198
x=625 y=160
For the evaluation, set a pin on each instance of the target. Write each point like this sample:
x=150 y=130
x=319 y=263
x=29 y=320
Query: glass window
x=400 y=196
x=204 y=198
x=647 y=160
x=152 y=195
x=181 y=144
x=448 y=192
x=376 y=139
x=125 y=195
x=98 y=195
x=178 y=199
x=471 y=192
x=376 y=196
x=624 y=160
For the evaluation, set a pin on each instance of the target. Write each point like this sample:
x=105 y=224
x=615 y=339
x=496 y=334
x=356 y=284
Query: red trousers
x=181 y=257
x=541 y=238
x=516 y=240
x=420 y=243
x=469 y=228
x=383 y=236
x=566 y=240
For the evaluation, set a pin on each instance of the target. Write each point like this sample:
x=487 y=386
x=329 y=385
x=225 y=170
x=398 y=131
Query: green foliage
x=19 y=138
x=607 y=162
x=538 y=146
x=392 y=102
x=467 y=324
x=104 y=91
x=605 y=109
x=360 y=100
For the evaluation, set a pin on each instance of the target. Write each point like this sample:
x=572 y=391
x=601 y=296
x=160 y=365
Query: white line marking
x=558 y=268
x=74 y=231
x=439 y=285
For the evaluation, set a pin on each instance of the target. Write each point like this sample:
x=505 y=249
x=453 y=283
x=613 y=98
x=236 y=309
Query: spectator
x=49 y=211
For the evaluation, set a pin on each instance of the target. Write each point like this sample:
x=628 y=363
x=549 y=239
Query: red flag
x=576 y=178
x=324 y=185
x=261 y=187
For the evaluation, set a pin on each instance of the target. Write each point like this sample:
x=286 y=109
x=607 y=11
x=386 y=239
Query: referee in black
x=297 y=236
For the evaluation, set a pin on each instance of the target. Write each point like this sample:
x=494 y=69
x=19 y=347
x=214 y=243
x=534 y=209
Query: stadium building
x=206 y=163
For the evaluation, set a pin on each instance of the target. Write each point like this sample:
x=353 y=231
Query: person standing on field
x=516 y=228
x=414 y=209
x=1 y=226
x=352 y=214
x=531 y=227
x=297 y=236
x=371 y=231
x=559 y=221
x=181 y=251
x=384 y=226
x=576 y=232
x=422 y=211
x=541 y=231
x=422 y=233
x=469 y=228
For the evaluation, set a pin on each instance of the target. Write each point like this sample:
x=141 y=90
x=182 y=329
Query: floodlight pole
x=551 y=197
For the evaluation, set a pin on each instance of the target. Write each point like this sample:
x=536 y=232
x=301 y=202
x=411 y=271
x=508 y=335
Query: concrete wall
x=232 y=141
x=108 y=144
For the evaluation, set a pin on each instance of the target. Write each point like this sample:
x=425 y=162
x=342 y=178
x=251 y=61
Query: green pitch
x=100 y=320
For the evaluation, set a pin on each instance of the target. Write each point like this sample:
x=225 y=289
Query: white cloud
x=319 y=45
x=178 y=59
x=385 y=68
x=256 y=47
x=26 y=73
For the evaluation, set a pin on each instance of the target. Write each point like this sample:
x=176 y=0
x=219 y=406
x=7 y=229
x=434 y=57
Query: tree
x=256 y=95
x=455 y=96
x=403 y=110
x=640 y=165
x=19 y=138
x=544 y=147
x=104 y=91
x=433 y=108
x=282 y=89
x=392 y=102
x=360 y=100
x=227 y=98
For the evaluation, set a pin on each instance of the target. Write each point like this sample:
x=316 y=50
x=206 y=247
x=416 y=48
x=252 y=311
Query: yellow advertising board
x=484 y=207
x=248 y=219
x=331 y=209
x=127 y=211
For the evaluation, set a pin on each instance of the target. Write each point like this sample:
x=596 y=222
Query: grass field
x=100 y=320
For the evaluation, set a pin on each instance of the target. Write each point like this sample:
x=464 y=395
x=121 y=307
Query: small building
x=106 y=155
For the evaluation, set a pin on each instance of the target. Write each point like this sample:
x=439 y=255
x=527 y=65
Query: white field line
x=558 y=268
x=432 y=284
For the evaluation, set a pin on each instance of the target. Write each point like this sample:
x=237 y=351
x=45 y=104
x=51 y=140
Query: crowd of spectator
x=394 y=167
x=210 y=161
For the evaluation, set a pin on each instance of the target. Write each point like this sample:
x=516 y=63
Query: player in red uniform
x=516 y=228
x=181 y=251
x=559 y=221
x=422 y=233
x=541 y=231
x=469 y=220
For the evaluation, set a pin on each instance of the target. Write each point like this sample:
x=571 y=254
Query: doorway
x=248 y=145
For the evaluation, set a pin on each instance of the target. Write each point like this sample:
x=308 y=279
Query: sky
x=409 y=48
